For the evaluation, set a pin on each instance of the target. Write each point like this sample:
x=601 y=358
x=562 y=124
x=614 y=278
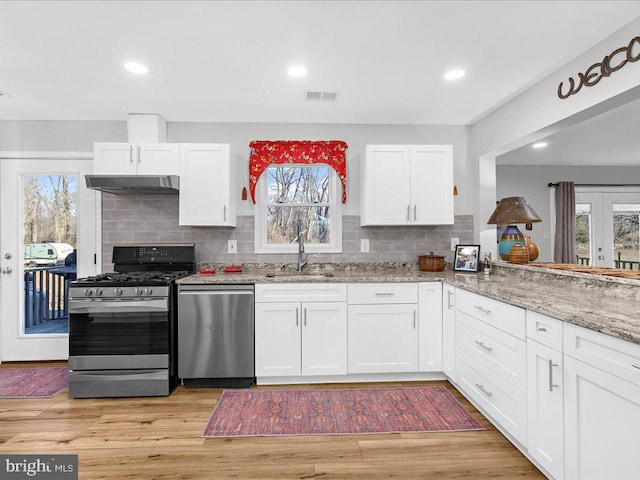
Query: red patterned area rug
x=242 y=413
x=32 y=382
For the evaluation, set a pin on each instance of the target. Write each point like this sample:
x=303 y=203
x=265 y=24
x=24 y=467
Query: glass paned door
x=48 y=238
x=49 y=214
x=607 y=228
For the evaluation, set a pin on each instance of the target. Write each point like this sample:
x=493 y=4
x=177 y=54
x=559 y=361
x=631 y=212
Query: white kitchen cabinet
x=491 y=359
x=207 y=185
x=449 y=331
x=136 y=159
x=430 y=326
x=301 y=329
x=601 y=405
x=545 y=393
x=383 y=328
x=407 y=185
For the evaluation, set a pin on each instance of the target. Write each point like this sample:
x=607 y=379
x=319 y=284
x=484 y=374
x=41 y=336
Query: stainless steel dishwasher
x=216 y=335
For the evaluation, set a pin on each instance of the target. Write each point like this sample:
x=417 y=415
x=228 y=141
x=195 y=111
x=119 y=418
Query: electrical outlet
x=364 y=245
x=232 y=246
x=454 y=242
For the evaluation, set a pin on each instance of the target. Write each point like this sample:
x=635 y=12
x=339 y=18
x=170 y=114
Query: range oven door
x=113 y=334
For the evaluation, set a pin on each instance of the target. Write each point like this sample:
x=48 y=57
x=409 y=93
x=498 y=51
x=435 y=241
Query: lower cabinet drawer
x=502 y=401
x=503 y=354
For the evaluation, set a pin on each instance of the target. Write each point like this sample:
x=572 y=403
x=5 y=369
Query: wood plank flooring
x=159 y=438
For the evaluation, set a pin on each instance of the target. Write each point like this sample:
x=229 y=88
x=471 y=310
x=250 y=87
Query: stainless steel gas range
x=123 y=325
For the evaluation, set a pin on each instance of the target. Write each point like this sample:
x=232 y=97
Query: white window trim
x=260 y=224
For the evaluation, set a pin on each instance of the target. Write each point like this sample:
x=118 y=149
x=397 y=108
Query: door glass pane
x=50 y=232
x=626 y=236
x=583 y=233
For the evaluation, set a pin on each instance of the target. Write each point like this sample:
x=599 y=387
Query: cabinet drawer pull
x=384 y=294
x=551 y=384
x=635 y=365
x=481 y=387
x=488 y=349
x=542 y=329
x=483 y=310
x=449 y=304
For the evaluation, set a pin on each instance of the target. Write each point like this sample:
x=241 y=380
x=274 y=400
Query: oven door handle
x=116 y=306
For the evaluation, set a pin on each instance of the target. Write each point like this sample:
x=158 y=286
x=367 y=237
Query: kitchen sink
x=305 y=275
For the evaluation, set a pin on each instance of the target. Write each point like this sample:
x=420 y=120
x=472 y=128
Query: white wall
x=531 y=183
x=539 y=112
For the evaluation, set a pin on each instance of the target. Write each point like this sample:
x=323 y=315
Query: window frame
x=260 y=216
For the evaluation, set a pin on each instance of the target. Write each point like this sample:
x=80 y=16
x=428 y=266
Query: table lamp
x=510 y=211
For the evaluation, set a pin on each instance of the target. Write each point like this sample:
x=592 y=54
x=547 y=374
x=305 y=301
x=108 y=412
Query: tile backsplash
x=154 y=218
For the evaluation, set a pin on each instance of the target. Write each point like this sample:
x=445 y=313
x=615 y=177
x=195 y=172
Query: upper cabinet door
x=385 y=195
x=431 y=184
x=407 y=185
x=131 y=159
x=207 y=185
x=158 y=158
x=114 y=158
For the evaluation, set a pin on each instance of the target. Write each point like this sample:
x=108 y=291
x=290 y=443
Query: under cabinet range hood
x=135 y=184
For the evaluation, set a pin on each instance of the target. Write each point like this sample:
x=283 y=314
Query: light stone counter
x=606 y=304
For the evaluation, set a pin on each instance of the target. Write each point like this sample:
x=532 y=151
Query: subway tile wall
x=154 y=218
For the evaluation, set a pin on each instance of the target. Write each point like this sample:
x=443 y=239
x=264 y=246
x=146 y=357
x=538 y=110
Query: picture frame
x=467 y=258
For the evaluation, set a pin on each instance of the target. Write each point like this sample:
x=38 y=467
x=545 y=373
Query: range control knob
x=138 y=291
x=148 y=291
x=87 y=292
x=117 y=292
x=98 y=292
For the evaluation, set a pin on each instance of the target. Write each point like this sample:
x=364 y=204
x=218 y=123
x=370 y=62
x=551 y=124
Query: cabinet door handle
x=414 y=319
x=635 y=365
x=408 y=209
x=415 y=212
x=384 y=294
x=488 y=349
x=542 y=329
x=297 y=320
x=305 y=317
x=224 y=213
x=482 y=309
x=551 y=384
x=449 y=296
x=130 y=153
x=139 y=154
x=482 y=389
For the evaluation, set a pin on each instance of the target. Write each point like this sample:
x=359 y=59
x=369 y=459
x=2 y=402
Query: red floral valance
x=265 y=153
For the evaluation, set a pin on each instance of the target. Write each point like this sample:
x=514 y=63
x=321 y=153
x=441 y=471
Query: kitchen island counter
x=605 y=304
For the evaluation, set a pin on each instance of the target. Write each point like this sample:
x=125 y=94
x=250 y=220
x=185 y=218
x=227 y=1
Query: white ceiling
x=225 y=61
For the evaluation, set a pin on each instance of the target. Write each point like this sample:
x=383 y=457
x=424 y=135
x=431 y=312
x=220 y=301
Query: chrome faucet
x=301 y=263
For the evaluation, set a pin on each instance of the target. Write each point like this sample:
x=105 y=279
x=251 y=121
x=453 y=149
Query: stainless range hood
x=135 y=184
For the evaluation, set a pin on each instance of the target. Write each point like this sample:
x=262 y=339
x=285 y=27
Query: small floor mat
x=32 y=382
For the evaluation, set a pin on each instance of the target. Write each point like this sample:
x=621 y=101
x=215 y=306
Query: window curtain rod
x=599 y=185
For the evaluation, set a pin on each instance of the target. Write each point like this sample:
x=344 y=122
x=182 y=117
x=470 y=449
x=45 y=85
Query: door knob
x=7 y=270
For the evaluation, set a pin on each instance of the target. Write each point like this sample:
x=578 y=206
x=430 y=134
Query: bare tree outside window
x=298 y=195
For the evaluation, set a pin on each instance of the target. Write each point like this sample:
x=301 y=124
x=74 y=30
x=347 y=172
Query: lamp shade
x=512 y=210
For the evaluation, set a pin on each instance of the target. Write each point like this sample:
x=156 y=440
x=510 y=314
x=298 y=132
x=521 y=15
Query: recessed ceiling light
x=297 y=71
x=135 y=67
x=454 y=74
x=539 y=145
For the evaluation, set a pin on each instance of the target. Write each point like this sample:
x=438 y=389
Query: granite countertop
x=607 y=305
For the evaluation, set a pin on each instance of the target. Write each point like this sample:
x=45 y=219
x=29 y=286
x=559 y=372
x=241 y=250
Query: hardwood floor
x=159 y=438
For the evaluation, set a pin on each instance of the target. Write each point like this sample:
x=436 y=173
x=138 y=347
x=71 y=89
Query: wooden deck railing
x=46 y=294
x=618 y=263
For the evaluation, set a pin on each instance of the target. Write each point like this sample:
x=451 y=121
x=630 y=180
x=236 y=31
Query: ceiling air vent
x=322 y=96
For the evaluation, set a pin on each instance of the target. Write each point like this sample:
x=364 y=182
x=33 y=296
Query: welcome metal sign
x=609 y=64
